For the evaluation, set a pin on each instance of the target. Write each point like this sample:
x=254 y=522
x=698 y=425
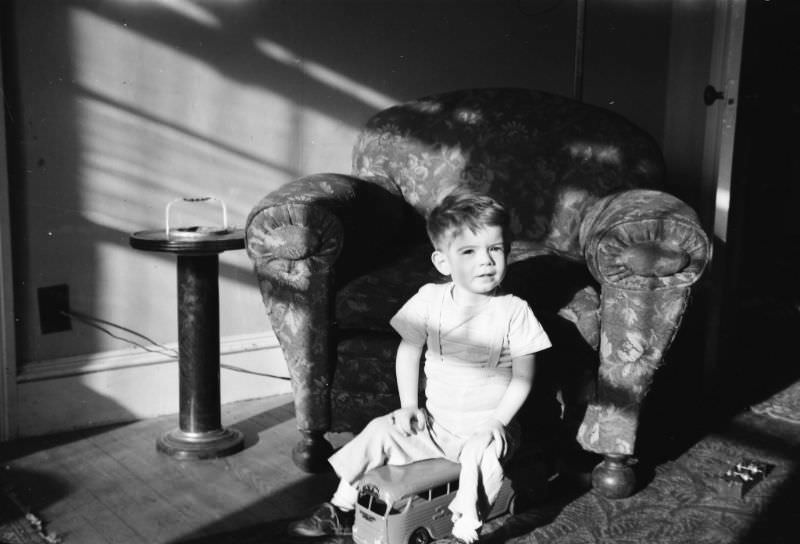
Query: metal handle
x=196 y=199
x=711 y=95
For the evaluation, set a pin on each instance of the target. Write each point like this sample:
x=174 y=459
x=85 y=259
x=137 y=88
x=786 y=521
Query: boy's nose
x=486 y=256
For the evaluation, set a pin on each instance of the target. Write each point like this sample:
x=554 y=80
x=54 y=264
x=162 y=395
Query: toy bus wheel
x=419 y=536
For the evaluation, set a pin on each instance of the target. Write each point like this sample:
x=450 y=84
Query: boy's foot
x=466 y=529
x=325 y=520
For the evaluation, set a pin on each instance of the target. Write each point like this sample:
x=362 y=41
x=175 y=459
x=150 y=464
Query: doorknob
x=711 y=95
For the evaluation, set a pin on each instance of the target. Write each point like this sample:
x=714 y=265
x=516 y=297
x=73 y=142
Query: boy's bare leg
x=465 y=506
x=466 y=520
x=478 y=487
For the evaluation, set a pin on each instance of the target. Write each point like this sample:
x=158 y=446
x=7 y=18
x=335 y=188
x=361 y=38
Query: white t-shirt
x=469 y=350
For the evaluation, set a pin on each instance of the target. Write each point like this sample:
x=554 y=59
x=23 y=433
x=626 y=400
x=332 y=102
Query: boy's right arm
x=409 y=418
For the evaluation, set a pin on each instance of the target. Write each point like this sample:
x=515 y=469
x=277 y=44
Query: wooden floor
x=111 y=485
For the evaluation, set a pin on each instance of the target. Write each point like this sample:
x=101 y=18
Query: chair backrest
x=548 y=158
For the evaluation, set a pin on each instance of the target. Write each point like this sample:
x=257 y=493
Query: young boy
x=479 y=368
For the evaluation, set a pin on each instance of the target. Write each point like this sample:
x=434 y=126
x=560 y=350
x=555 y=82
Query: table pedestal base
x=200 y=434
x=208 y=445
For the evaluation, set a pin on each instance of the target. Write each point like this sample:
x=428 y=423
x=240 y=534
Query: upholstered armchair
x=604 y=256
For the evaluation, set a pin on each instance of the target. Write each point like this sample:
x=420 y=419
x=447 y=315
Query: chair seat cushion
x=369 y=301
x=365 y=362
x=365 y=342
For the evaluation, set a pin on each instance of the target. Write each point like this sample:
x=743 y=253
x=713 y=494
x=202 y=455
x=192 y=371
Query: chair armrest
x=295 y=237
x=309 y=218
x=644 y=240
x=646 y=248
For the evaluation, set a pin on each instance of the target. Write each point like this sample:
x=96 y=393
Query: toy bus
x=407 y=504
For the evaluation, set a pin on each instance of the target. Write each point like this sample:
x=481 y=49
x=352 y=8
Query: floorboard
x=110 y=485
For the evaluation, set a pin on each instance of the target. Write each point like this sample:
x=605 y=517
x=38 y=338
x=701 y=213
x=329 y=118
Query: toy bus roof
x=398 y=481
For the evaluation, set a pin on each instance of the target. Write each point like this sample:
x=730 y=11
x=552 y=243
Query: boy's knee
x=379 y=427
x=485 y=460
x=380 y=422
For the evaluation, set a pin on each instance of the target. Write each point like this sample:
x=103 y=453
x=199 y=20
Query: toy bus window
x=368 y=499
x=378 y=506
x=453 y=486
x=425 y=495
x=438 y=491
x=363 y=499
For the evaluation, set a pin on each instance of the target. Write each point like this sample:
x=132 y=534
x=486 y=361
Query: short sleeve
x=410 y=321
x=525 y=334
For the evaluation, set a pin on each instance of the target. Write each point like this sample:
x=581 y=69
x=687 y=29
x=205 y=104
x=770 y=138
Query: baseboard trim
x=118 y=386
x=106 y=361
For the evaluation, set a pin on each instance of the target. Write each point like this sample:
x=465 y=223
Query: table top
x=188 y=241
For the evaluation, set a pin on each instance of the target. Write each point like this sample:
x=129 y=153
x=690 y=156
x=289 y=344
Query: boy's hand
x=410 y=420
x=491 y=433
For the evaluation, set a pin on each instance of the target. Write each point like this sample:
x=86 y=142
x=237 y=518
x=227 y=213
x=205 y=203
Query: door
x=721 y=97
x=705 y=50
x=752 y=158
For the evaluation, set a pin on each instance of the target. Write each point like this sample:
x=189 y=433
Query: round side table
x=200 y=434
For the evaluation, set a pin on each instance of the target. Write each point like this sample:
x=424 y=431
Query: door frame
x=8 y=353
x=718 y=165
x=724 y=75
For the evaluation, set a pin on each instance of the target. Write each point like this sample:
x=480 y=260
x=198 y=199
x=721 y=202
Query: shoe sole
x=308 y=533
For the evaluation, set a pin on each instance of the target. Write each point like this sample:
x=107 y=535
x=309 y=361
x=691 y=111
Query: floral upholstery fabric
x=636 y=329
x=336 y=255
x=644 y=229
x=545 y=158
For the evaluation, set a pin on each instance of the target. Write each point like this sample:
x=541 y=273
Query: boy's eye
x=497 y=248
x=467 y=251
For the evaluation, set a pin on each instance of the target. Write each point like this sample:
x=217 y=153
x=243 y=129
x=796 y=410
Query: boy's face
x=475 y=261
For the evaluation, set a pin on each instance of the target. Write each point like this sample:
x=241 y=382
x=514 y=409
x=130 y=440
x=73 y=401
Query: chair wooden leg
x=614 y=477
x=311 y=453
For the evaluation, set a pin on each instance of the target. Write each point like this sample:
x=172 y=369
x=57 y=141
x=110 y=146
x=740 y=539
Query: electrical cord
x=98 y=323
x=93 y=322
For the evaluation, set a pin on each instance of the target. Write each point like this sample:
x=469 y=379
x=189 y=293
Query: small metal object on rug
x=741 y=477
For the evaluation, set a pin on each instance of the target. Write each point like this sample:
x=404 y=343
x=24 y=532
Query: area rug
x=18 y=525
x=784 y=405
x=687 y=500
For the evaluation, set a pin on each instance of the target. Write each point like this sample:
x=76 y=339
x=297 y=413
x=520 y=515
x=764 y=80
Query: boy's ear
x=440 y=262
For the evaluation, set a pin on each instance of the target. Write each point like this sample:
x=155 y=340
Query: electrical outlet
x=53 y=303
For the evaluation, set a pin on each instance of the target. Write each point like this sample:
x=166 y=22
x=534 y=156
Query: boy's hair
x=462 y=209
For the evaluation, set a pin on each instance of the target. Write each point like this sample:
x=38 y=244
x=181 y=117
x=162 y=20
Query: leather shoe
x=325 y=520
